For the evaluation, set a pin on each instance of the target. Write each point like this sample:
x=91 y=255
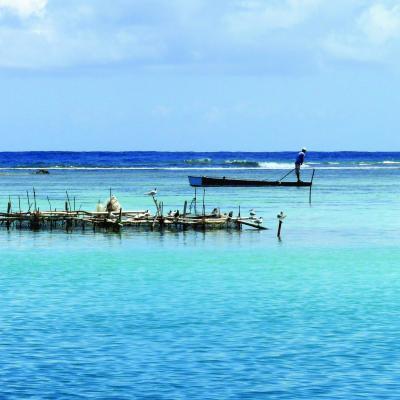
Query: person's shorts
x=297 y=166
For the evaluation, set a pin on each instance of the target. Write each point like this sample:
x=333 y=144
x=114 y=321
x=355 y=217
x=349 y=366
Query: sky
x=200 y=75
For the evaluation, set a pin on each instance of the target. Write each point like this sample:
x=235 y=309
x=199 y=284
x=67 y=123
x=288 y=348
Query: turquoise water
x=237 y=315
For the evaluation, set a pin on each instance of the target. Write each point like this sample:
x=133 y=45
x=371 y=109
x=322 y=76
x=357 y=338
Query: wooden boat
x=207 y=181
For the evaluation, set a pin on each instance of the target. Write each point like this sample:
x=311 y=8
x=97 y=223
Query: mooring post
x=8 y=223
x=281 y=216
x=20 y=212
x=195 y=201
x=204 y=204
x=312 y=178
x=239 y=211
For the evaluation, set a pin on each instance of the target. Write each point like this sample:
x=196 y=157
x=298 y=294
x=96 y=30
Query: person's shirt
x=300 y=158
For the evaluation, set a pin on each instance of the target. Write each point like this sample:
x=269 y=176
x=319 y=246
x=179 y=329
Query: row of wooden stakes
x=116 y=220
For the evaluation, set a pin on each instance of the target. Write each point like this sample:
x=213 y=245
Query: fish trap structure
x=115 y=219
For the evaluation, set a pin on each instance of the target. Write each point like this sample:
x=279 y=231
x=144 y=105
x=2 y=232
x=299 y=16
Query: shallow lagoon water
x=230 y=315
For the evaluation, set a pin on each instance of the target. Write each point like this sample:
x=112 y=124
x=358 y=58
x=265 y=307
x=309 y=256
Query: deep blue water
x=217 y=315
x=148 y=159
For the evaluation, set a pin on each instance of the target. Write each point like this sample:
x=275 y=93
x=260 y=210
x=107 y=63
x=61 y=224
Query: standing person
x=299 y=162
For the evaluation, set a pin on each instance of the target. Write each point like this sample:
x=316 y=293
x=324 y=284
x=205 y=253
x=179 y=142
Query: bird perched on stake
x=152 y=192
x=252 y=213
x=173 y=213
x=281 y=216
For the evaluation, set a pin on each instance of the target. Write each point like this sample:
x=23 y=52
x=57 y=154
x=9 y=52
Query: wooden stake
x=69 y=203
x=49 y=202
x=279 y=229
x=204 y=204
x=280 y=217
x=29 y=201
x=312 y=178
x=195 y=201
x=34 y=198
x=157 y=206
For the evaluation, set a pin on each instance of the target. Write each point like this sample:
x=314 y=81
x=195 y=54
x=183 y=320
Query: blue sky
x=204 y=75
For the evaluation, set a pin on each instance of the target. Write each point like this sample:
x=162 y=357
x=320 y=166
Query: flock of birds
x=253 y=216
x=113 y=205
x=175 y=213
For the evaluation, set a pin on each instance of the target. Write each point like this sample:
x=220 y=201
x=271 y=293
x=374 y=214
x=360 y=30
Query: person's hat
x=303 y=149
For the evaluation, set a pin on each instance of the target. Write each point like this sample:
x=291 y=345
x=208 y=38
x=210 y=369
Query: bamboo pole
x=312 y=178
x=204 y=204
x=34 y=199
x=29 y=202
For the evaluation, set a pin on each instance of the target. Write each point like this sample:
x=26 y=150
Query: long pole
x=286 y=175
x=49 y=202
x=312 y=178
x=34 y=198
x=204 y=204
x=29 y=201
x=195 y=201
x=69 y=203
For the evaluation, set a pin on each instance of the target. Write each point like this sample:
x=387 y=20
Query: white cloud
x=373 y=37
x=42 y=47
x=72 y=35
x=245 y=36
x=252 y=18
x=23 y=8
x=380 y=23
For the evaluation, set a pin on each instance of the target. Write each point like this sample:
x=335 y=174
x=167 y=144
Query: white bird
x=252 y=213
x=258 y=220
x=281 y=216
x=152 y=192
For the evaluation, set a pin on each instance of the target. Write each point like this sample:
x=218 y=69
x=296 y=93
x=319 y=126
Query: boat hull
x=206 y=181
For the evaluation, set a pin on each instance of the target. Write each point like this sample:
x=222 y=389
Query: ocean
x=194 y=315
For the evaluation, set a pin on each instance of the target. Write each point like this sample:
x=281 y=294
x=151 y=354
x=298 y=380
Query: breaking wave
x=276 y=165
x=200 y=161
x=242 y=163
